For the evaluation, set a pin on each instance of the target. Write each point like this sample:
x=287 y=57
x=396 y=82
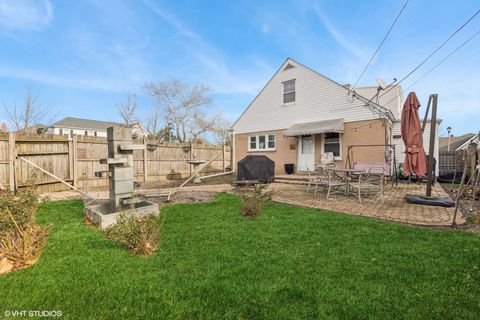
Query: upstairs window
x=289 y=91
x=264 y=142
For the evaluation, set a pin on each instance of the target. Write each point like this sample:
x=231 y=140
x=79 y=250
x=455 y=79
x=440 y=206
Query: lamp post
x=449 y=129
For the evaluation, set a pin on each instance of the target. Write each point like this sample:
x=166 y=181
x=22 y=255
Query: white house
x=86 y=127
x=301 y=114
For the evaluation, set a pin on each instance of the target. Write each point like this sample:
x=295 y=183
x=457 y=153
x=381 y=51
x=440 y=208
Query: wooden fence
x=449 y=162
x=76 y=161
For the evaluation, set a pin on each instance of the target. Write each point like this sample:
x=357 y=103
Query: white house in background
x=86 y=127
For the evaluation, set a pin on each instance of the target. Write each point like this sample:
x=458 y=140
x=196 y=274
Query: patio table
x=347 y=175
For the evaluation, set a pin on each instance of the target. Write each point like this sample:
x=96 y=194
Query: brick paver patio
x=394 y=207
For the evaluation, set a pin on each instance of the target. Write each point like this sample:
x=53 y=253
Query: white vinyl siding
x=316 y=98
x=262 y=142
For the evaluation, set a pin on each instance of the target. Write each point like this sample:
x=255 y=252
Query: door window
x=307 y=145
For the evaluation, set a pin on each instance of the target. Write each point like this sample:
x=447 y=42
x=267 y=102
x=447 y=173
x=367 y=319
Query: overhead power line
x=381 y=43
x=431 y=54
x=438 y=64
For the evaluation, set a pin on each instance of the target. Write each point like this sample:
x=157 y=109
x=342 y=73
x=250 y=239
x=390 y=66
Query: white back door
x=306 y=153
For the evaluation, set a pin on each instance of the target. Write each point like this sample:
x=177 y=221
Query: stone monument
x=121 y=185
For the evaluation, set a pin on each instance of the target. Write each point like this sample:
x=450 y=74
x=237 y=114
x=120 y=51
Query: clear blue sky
x=86 y=56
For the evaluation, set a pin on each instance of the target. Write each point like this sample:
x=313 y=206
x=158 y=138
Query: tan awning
x=300 y=129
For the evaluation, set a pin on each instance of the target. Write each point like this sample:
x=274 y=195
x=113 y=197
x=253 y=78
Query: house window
x=331 y=143
x=95 y=133
x=60 y=132
x=253 y=143
x=86 y=132
x=289 y=91
x=71 y=133
x=261 y=142
x=271 y=141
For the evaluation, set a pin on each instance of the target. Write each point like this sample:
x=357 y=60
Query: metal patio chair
x=367 y=183
x=336 y=183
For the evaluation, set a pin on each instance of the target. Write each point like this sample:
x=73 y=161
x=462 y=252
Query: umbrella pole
x=431 y=147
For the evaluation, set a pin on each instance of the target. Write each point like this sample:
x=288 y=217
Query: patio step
x=292 y=181
x=292 y=177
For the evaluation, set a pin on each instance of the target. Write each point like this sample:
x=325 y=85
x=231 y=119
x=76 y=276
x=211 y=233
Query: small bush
x=21 y=239
x=141 y=236
x=18 y=210
x=253 y=202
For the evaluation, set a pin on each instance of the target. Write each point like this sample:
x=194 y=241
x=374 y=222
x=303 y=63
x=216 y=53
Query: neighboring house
x=86 y=127
x=301 y=114
x=455 y=142
x=475 y=138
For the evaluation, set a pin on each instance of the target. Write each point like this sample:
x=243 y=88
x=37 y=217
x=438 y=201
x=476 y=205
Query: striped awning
x=300 y=129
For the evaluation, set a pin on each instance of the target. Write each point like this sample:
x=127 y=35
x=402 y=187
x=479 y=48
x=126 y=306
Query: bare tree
x=183 y=108
x=221 y=131
x=128 y=109
x=30 y=113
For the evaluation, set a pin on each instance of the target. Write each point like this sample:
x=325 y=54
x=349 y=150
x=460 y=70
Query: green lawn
x=215 y=264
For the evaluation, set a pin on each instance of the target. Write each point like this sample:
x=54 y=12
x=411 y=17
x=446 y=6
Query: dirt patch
x=186 y=197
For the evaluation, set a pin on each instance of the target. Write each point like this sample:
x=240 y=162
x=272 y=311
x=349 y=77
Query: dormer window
x=289 y=91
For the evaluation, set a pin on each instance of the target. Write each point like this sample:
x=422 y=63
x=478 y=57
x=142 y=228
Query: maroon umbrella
x=412 y=138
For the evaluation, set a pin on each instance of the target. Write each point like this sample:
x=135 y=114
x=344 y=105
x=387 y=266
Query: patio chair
x=318 y=177
x=367 y=183
x=336 y=183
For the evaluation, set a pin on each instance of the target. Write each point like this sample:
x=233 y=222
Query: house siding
x=356 y=132
x=317 y=98
x=282 y=154
x=369 y=132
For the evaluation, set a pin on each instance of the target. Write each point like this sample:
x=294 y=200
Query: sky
x=84 y=57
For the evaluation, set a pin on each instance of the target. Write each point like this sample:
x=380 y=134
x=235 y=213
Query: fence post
x=70 y=159
x=191 y=157
x=145 y=162
x=223 y=158
x=74 y=160
x=11 y=161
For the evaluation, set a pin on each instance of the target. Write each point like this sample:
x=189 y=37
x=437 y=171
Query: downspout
x=233 y=165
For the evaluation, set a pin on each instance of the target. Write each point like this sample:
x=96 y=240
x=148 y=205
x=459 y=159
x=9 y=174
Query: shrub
x=18 y=210
x=21 y=239
x=141 y=236
x=252 y=203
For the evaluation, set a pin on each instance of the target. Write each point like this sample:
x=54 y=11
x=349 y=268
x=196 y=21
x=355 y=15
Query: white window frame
x=340 y=141
x=283 y=92
x=257 y=140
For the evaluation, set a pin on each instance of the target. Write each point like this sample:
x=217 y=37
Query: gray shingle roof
x=455 y=142
x=79 y=123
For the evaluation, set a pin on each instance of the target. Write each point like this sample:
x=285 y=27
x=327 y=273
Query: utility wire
x=438 y=64
x=381 y=43
x=428 y=58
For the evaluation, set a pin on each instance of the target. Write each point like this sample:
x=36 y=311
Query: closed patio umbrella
x=412 y=138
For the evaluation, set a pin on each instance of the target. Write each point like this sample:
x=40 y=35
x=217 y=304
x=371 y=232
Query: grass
x=215 y=264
